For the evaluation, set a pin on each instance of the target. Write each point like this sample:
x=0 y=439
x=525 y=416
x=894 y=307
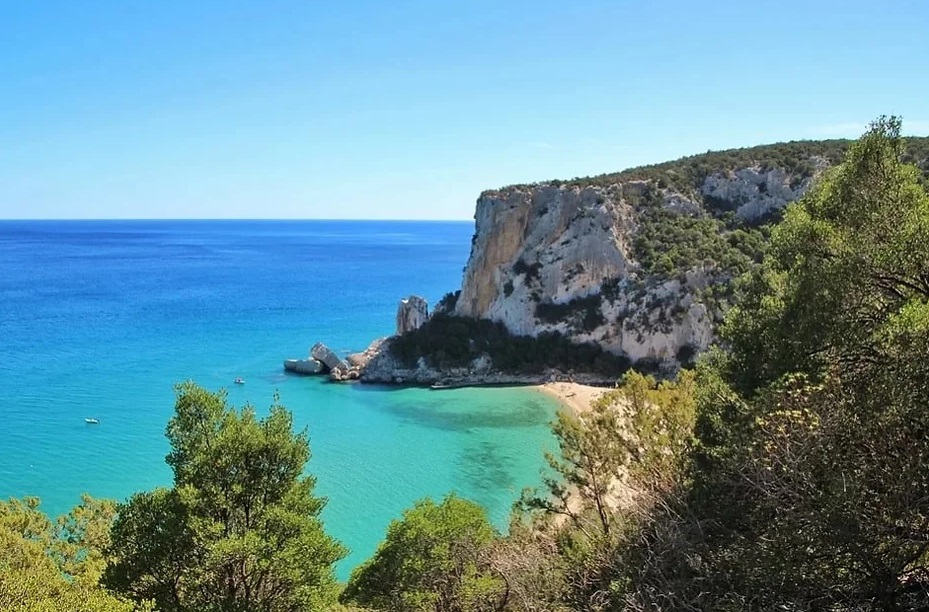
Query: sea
x=100 y=319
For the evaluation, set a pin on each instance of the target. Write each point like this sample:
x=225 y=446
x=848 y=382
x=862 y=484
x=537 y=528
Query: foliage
x=845 y=262
x=668 y=243
x=533 y=572
x=453 y=342
x=435 y=558
x=634 y=437
x=617 y=461
x=240 y=529
x=46 y=567
x=448 y=302
x=582 y=312
x=829 y=347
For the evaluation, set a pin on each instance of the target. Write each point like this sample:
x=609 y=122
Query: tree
x=81 y=537
x=47 y=568
x=435 y=558
x=823 y=471
x=633 y=439
x=619 y=461
x=240 y=529
x=845 y=264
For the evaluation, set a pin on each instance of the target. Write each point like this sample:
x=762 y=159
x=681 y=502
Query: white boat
x=92 y=421
x=239 y=381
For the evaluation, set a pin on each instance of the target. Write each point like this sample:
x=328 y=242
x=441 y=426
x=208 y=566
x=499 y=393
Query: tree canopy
x=240 y=529
x=50 y=566
x=435 y=558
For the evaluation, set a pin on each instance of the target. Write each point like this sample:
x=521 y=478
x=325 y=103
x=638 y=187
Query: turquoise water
x=99 y=319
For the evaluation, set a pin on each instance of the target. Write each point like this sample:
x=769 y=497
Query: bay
x=99 y=319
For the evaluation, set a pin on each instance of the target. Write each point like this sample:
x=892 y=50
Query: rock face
x=411 y=314
x=556 y=257
x=540 y=243
x=754 y=193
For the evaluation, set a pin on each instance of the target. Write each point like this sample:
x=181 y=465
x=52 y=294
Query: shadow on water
x=366 y=387
x=461 y=411
x=488 y=469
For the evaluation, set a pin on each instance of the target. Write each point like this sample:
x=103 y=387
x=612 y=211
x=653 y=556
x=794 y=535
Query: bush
x=531 y=272
x=434 y=558
x=448 y=302
x=582 y=312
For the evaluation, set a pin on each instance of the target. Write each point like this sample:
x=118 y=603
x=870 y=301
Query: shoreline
x=573 y=396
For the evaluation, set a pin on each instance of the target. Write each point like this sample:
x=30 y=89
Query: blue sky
x=364 y=109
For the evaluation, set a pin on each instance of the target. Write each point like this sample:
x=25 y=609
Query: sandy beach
x=572 y=395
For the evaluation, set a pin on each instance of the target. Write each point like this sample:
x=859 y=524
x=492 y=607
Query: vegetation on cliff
x=446 y=342
x=705 y=232
x=710 y=236
x=687 y=174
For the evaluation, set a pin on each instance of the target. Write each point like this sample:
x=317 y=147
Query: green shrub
x=448 y=301
x=582 y=312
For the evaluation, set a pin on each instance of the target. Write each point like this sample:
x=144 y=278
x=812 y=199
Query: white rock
x=412 y=313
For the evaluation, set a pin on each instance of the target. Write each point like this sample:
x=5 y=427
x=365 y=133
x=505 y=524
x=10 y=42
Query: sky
x=409 y=109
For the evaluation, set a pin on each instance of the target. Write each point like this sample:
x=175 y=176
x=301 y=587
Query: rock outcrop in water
x=322 y=360
x=327 y=357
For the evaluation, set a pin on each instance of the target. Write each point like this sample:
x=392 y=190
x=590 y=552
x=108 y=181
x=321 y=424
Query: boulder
x=327 y=357
x=412 y=313
x=360 y=360
x=341 y=374
x=304 y=366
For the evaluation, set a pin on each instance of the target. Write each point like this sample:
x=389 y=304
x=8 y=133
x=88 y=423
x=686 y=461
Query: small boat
x=92 y=421
x=239 y=381
x=439 y=385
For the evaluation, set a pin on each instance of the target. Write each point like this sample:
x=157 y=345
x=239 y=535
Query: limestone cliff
x=632 y=266
x=597 y=259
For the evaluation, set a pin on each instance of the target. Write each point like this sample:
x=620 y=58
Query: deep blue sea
x=101 y=318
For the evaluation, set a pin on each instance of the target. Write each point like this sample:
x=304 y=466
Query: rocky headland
x=577 y=280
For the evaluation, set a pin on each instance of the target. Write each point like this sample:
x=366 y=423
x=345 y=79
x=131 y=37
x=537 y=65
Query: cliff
x=640 y=262
x=579 y=279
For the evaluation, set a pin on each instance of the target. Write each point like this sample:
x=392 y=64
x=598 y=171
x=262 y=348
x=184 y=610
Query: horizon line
x=271 y=219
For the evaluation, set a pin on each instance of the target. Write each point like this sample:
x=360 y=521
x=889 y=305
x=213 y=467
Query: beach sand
x=575 y=396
